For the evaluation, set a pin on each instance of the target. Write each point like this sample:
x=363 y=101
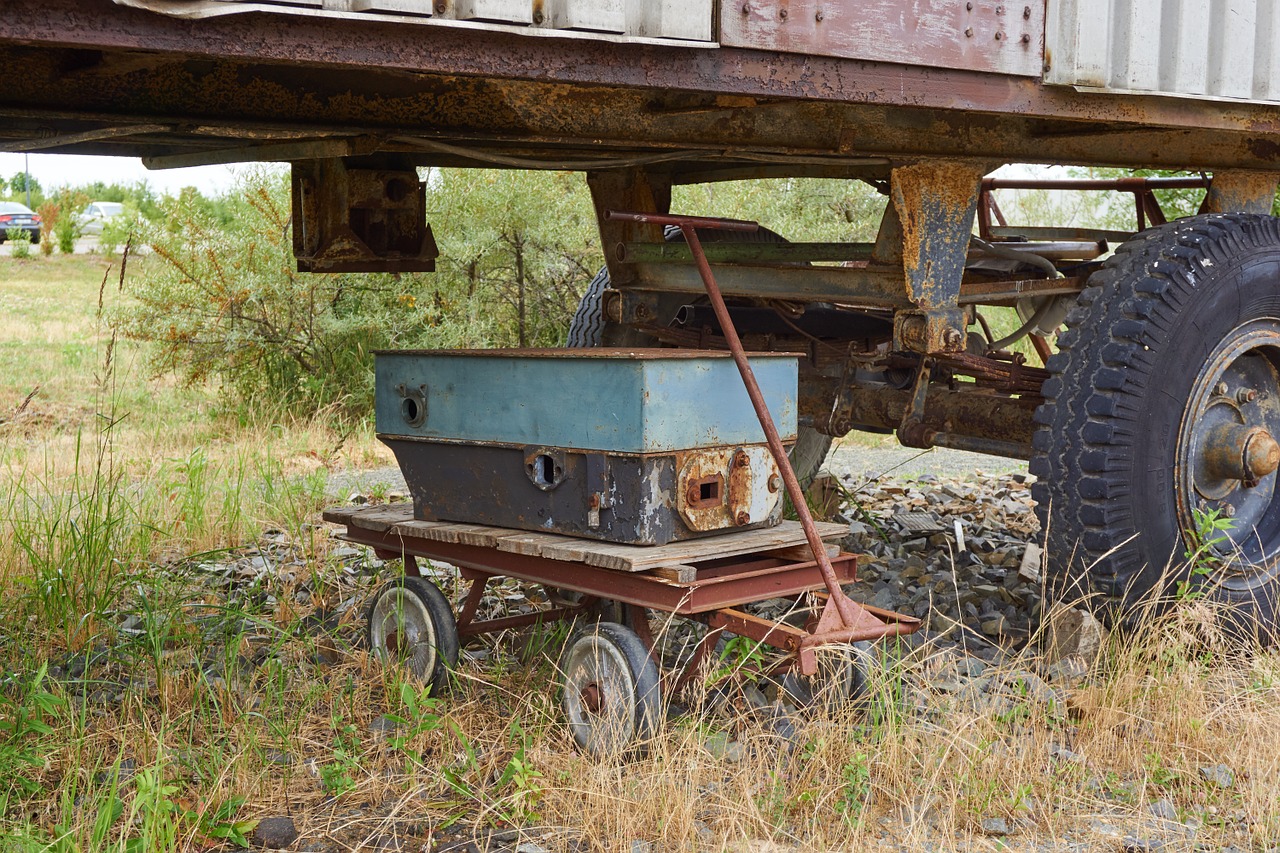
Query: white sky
x=56 y=170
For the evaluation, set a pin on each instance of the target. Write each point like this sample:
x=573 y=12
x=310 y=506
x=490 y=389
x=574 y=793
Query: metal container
x=642 y=447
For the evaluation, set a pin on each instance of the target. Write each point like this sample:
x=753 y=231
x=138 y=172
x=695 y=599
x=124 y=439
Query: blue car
x=14 y=215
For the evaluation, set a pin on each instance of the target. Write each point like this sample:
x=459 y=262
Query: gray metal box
x=633 y=446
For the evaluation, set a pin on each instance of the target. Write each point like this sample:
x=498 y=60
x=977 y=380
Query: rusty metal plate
x=1005 y=38
x=724 y=488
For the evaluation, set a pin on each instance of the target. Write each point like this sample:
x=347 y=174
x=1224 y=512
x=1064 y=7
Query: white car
x=97 y=214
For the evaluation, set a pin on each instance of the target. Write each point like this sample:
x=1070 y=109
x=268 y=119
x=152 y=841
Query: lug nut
x=1246 y=395
x=1220 y=389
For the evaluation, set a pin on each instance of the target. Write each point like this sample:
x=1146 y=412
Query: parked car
x=97 y=214
x=15 y=215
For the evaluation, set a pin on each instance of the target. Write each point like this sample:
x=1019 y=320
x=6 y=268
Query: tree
x=18 y=185
x=525 y=241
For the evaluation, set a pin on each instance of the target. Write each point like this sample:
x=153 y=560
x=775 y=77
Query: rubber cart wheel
x=610 y=694
x=1162 y=415
x=588 y=325
x=409 y=622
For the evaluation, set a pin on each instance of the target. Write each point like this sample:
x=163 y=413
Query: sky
x=55 y=170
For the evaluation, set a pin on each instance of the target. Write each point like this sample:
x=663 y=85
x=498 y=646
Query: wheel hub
x=1236 y=452
x=1228 y=454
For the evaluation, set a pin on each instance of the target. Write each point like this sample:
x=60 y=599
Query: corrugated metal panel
x=1194 y=48
x=631 y=20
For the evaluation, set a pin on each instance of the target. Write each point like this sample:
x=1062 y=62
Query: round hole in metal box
x=544 y=471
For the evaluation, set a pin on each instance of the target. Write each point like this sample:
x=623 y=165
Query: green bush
x=226 y=304
x=21 y=240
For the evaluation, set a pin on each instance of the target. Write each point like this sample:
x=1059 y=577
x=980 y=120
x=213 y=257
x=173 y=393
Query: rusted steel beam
x=936 y=202
x=959 y=412
x=860 y=285
x=1234 y=191
x=1086 y=184
x=100 y=25
x=743 y=253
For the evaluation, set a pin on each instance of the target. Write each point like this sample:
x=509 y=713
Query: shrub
x=227 y=304
x=21 y=241
x=49 y=214
x=118 y=230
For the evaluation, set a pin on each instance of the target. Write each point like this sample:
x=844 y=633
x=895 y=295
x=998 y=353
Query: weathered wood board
x=788 y=538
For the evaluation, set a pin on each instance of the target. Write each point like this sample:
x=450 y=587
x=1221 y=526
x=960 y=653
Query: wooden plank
x=679 y=574
x=638 y=559
x=800 y=553
x=340 y=514
x=533 y=544
x=787 y=538
x=382 y=518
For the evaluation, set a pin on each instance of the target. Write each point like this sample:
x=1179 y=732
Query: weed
x=1212 y=530
x=855 y=787
x=20 y=240
x=24 y=723
x=338 y=775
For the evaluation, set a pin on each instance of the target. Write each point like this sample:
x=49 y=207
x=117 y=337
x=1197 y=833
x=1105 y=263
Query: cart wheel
x=410 y=623
x=841 y=678
x=611 y=696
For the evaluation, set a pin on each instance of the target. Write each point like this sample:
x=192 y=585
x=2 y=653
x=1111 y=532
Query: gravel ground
x=865 y=459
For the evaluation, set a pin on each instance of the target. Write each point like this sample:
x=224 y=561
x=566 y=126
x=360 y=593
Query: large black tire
x=1166 y=338
x=587 y=329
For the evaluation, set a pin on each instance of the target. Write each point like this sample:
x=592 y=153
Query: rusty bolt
x=968 y=31
x=775 y=483
x=1026 y=12
x=642 y=311
x=743 y=518
x=952 y=338
x=740 y=459
x=1220 y=389
x=818 y=16
x=1246 y=395
x=693 y=494
x=782 y=13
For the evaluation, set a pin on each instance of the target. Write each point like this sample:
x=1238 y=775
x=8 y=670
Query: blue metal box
x=636 y=446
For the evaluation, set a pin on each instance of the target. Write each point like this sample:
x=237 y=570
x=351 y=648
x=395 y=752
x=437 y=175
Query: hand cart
x=611 y=684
